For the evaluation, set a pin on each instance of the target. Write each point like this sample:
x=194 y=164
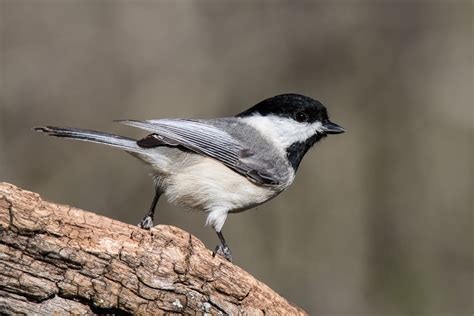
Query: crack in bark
x=187 y=259
x=52 y=252
x=10 y=211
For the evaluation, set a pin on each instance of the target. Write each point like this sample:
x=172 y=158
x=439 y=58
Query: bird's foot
x=223 y=251
x=146 y=223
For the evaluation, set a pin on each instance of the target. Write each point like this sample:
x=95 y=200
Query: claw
x=223 y=251
x=146 y=223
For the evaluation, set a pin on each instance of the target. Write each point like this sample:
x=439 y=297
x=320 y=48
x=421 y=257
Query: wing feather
x=201 y=138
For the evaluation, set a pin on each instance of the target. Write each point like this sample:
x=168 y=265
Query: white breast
x=208 y=185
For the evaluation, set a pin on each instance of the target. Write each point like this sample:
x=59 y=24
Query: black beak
x=333 y=128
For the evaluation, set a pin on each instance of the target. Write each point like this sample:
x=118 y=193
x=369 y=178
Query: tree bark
x=57 y=259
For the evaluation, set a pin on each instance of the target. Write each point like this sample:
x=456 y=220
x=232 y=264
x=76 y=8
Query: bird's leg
x=222 y=249
x=147 y=221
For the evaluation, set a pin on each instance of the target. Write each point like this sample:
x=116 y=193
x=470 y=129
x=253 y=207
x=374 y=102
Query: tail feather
x=117 y=141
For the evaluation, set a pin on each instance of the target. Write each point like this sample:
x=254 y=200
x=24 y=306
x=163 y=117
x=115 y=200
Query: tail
x=117 y=141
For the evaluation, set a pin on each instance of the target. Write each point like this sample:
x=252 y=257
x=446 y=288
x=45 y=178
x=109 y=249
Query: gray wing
x=203 y=139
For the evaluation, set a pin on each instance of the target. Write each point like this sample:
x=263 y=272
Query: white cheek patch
x=283 y=132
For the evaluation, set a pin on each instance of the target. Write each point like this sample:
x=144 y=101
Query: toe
x=227 y=254
x=146 y=223
x=224 y=252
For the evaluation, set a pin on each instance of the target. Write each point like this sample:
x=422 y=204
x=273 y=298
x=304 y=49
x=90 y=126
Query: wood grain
x=57 y=259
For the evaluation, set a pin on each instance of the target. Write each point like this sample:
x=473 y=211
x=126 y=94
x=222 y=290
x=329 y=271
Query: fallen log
x=57 y=259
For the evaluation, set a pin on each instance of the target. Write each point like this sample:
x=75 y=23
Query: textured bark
x=56 y=259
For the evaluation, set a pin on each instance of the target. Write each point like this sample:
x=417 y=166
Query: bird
x=221 y=165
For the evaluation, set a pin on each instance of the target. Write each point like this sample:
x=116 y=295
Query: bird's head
x=292 y=122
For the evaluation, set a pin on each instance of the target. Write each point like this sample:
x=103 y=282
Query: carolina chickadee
x=222 y=165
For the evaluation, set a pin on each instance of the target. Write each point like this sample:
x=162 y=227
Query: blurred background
x=379 y=220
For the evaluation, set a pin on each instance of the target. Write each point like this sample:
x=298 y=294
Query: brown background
x=379 y=220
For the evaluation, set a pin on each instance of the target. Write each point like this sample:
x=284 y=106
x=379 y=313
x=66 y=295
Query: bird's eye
x=300 y=117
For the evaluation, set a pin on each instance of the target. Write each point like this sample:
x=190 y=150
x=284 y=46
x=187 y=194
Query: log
x=56 y=260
